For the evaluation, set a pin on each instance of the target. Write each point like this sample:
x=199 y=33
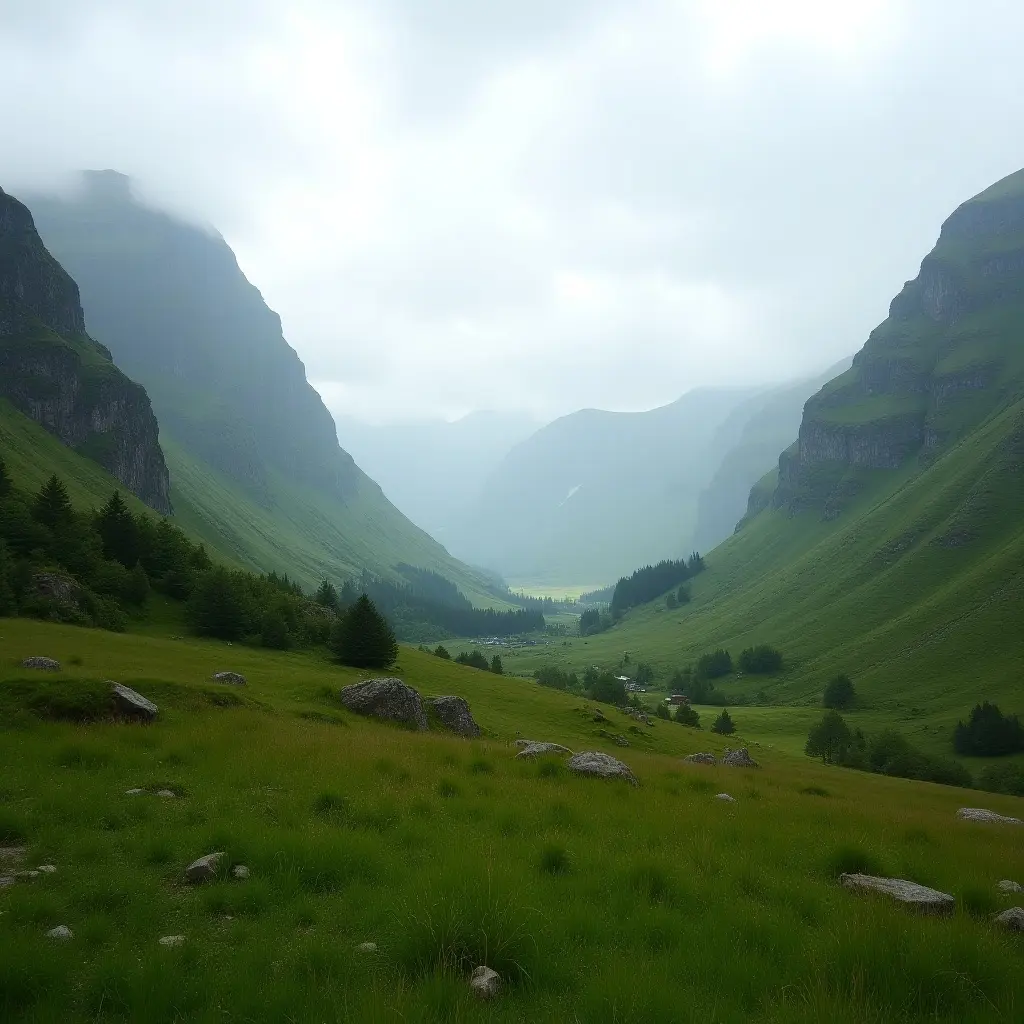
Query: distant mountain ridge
x=256 y=468
x=58 y=376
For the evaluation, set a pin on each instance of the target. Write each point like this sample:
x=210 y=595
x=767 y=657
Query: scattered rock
x=910 y=894
x=13 y=854
x=167 y=794
x=62 y=933
x=700 y=758
x=56 y=587
x=233 y=678
x=47 y=869
x=1007 y=886
x=240 y=871
x=739 y=758
x=26 y=874
x=981 y=814
x=134 y=792
x=603 y=766
x=172 y=940
x=205 y=868
x=6 y=881
x=367 y=947
x=454 y=714
x=533 y=749
x=1012 y=919
x=725 y=798
x=485 y=983
x=389 y=699
x=132 y=704
x=43 y=664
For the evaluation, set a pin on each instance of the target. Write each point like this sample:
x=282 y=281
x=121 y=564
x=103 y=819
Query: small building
x=678 y=698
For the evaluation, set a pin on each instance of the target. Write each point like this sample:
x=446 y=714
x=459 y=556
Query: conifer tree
x=724 y=724
x=52 y=506
x=496 y=666
x=116 y=525
x=8 y=604
x=362 y=637
x=327 y=595
x=5 y=480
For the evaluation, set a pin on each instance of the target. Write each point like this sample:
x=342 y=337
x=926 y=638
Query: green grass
x=594 y=900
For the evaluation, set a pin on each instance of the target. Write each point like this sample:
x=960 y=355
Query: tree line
x=652 y=581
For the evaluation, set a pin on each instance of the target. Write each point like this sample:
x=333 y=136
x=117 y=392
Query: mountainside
x=892 y=545
x=595 y=494
x=52 y=371
x=256 y=468
x=434 y=471
x=749 y=442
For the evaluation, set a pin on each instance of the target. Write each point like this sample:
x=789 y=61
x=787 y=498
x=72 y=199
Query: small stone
x=232 y=678
x=133 y=705
x=172 y=940
x=1007 y=886
x=981 y=814
x=205 y=868
x=367 y=947
x=134 y=792
x=725 y=798
x=1012 y=919
x=240 y=871
x=62 y=933
x=700 y=758
x=603 y=766
x=485 y=983
x=48 y=869
x=43 y=664
x=533 y=749
x=13 y=853
x=167 y=794
x=739 y=758
x=6 y=881
x=27 y=874
x=389 y=699
x=910 y=894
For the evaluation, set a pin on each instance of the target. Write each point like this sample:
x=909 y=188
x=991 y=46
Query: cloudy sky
x=536 y=204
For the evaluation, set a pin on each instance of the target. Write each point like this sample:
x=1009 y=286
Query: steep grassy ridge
x=595 y=901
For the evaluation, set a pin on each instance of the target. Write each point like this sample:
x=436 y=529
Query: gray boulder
x=167 y=794
x=725 y=798
x=56 y=587
x=700 y=758
x=1008 y=887
x=389 y=699
x=13 y=854
x=62 y=933
x=233 y=678
x=367 y=947
x=485 y=983
x=910 y=894
x=240 y=871
x=738 y=758
x=172 y=940
x=533 y=749
x=983 y=815
x=1012 y=919
x=602 y=766
x=43 y=664
x=205 y=868
x=6 y=881
x=453 y=713
x=133 y=705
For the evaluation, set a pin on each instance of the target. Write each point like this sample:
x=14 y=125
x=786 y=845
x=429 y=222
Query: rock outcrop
x=204 y=869
x=983 y=815
x=910 y=894
x=454 y=714
x=739 y=758
x=55 y=374
x=602 y=766
x=232 y=678
x=42 y=664
x=389 y=699
x=532 y=749
x=485 y=983
x=700 y=758
x=1012 y=920
x=130 y=704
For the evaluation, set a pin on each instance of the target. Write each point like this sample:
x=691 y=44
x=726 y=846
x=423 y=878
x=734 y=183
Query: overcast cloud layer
x=523 y=204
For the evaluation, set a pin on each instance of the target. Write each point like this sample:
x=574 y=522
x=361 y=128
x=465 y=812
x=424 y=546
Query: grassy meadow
x=595 y=901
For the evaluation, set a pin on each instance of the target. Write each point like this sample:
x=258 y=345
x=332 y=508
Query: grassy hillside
x=595 y=901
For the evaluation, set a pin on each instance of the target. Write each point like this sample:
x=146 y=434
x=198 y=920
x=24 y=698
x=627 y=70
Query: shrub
x=473 y=659
x=362 y=637
x=662 y=712
x=978 y=901
x=686 y=715
x=714 y=665
x=839 y=693
x=1003 y=778
x=496 y=666
x=724 y=724
x=442 y=652
x=554 y=860
x=988 y=733
x=604 y=687
x=760 y=660
x=555 y=678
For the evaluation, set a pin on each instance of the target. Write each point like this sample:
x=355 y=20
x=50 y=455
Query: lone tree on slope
x=362 y=637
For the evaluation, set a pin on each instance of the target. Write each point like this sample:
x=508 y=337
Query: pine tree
x=362 y=637
x=116 y=525
x=52 y=506
x=327 y=596
x=686 y=715
x=5 y=480
x=136 y=589
x=8 y=603
x=724 y=724
x=496 y=666
x=829 y=739
x=217 y=606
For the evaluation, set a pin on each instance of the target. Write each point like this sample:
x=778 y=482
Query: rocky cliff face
x=53 y=372
x=948 y=356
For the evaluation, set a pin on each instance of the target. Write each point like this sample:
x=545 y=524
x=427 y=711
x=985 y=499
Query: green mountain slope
x=892 y=547
x=255 y=465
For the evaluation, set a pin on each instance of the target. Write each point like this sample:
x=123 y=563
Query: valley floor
x=595 y=901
